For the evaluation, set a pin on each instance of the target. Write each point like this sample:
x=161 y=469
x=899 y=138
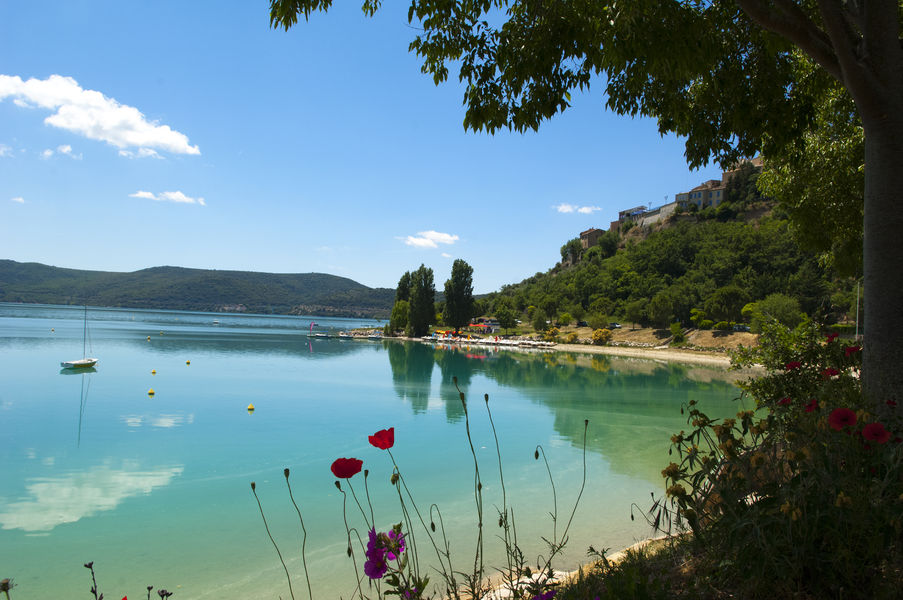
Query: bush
x=706 y=324
x=723 y=326
x=571 y=337
x=550 y=335
x=677 y=333
x=802 y=497
x=601 y=336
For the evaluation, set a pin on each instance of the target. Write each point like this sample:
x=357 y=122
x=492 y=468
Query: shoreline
x=666 y=354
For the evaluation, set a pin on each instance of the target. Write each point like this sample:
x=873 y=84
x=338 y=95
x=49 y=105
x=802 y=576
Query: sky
x=141 y=134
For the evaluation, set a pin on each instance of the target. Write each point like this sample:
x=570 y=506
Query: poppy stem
x=267 y=527
x=360 y=506
x=540 y=450
x=478 y=496
x=303 y=535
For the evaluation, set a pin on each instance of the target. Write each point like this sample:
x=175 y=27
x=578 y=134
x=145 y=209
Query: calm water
x=156 y=490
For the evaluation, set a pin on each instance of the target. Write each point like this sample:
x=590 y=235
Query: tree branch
x=791 y=23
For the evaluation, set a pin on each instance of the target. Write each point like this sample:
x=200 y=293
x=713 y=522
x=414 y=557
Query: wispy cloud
x=573 y=208
x=446 y=255
x=62 y=149
x=5 y=151
x=93 y=115
x=18 y=200
x=430 y=239
x=177 y=197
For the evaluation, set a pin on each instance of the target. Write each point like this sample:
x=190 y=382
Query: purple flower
x=381 y=548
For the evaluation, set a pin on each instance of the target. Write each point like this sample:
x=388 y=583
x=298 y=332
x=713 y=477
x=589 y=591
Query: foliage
x=401 y=314
x=572 y=251
x=722 y=326
x=706 y=324
x=504 y=314
x=601 y=336
x=540 y=320
x=459 y=307
x=423 y=295
x=565 y=319
x=403 y=291
x=779 y=307
x=571 y=337
x=802 y=496
x=677 y=333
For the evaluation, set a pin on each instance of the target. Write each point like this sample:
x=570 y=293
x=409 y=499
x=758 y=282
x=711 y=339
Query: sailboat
x=81 y=363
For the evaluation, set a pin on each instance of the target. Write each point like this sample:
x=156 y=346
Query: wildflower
x=892 y=403
x=832 y=336
x=811 y=405
x=850 y=350
x=671 y=471
x=875 y=432
x=383 y=439
x=829 y=373
x=785 y=401
x=841 y=417
x=676 y=490
x=546 y=596
x=383 y=547
x=843 y=501
x=677 y=438
x=344 y=468
x=793 y=365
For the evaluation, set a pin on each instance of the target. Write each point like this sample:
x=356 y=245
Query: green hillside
x=194 y=289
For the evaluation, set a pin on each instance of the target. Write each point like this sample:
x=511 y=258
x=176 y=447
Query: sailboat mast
x=85 y=335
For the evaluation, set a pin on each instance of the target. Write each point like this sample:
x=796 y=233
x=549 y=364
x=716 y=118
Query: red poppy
x=832 y=336
x=383 y=439
x=793 y=364
x=850 y=350
x=829 y=373
x=785 y=401
x=841 y=417
x=343 y=468
x=811 y=405
x=892 y=403
x=875 y=432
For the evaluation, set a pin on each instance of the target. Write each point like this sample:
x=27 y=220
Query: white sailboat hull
x=81 y=363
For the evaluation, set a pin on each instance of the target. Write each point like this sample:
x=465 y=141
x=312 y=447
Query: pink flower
x=829 y=373
x=850 y=350
x=793 y=365
x=832 y=337
x=811 y=405
x=841 y=417
x=875 y=432
x=785 y=401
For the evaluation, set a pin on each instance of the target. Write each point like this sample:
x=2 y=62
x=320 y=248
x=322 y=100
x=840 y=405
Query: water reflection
x=412 y=373
x=52 y=501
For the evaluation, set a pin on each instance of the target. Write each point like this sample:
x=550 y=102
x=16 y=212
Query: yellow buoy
x=250 y=408
x=187 y=362
x=52 y=330
x=151 y=392
x=161 y=333
x=153 y=371
x=148 y=338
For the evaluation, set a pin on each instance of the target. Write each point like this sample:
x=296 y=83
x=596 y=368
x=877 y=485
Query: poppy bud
x=338 y=485
x=480 y=487
x=536 y=454
x=586 y=422
x=433 y=526
x=253 y=487
x=500 y=522
x=286 y=472
x=366 y=473
x=486 y=398
x=349 y=550
x=89 y=565
x=394 y=478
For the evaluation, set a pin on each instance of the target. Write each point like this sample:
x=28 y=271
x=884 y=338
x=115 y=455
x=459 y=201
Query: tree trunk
x=882 y=373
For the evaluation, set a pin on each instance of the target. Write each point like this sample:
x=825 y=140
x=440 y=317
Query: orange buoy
x=153 y=371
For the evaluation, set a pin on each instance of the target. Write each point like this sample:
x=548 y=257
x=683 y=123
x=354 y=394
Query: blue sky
x=138 y=134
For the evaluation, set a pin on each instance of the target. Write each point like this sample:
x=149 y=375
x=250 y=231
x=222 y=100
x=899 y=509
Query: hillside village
x=708 y=194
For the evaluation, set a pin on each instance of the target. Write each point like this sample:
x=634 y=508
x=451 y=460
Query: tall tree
x=459 y=296
x=403 y=291
x=421 y=312
x=721 y=73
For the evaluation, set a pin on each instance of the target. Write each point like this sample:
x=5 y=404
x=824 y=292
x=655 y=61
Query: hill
x=194 y=289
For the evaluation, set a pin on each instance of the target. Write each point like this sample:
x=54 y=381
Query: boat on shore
x=85 y=362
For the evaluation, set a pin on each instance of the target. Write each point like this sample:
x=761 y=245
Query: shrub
x=706 y=324
x=802 y=497
x=571 y=337
x=677 y=332
x=550 y=335
x=601 y=336
x=722 y=326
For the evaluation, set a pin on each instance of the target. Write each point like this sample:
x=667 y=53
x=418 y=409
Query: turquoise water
x=156 y=490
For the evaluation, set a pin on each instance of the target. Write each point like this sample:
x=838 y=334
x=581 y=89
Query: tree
x=539 y=320
x=572 y=251
x=726 y=303
x=635 y=311
x=505 y=314
x=459 y=296
x=422 y=310
x=722 y=73
x=784 y=309
x=401 y=313
x=403 y=291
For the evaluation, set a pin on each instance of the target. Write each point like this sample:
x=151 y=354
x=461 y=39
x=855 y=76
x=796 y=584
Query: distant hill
x=195 y=289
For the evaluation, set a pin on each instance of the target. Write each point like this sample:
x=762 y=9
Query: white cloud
x=52 y=501
x=430 y=239
x=47 y=153
x=446 y=255
x=18 y=200
x=62 y=149
x=177 y=197
x=93 y=115
x=141 y=153
x=5 y=150
x=570 y=208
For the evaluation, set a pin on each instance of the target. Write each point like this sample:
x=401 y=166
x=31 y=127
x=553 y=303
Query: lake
x=156 y=489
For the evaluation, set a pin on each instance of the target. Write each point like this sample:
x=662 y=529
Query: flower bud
x=253 y=486
x=285 y=472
